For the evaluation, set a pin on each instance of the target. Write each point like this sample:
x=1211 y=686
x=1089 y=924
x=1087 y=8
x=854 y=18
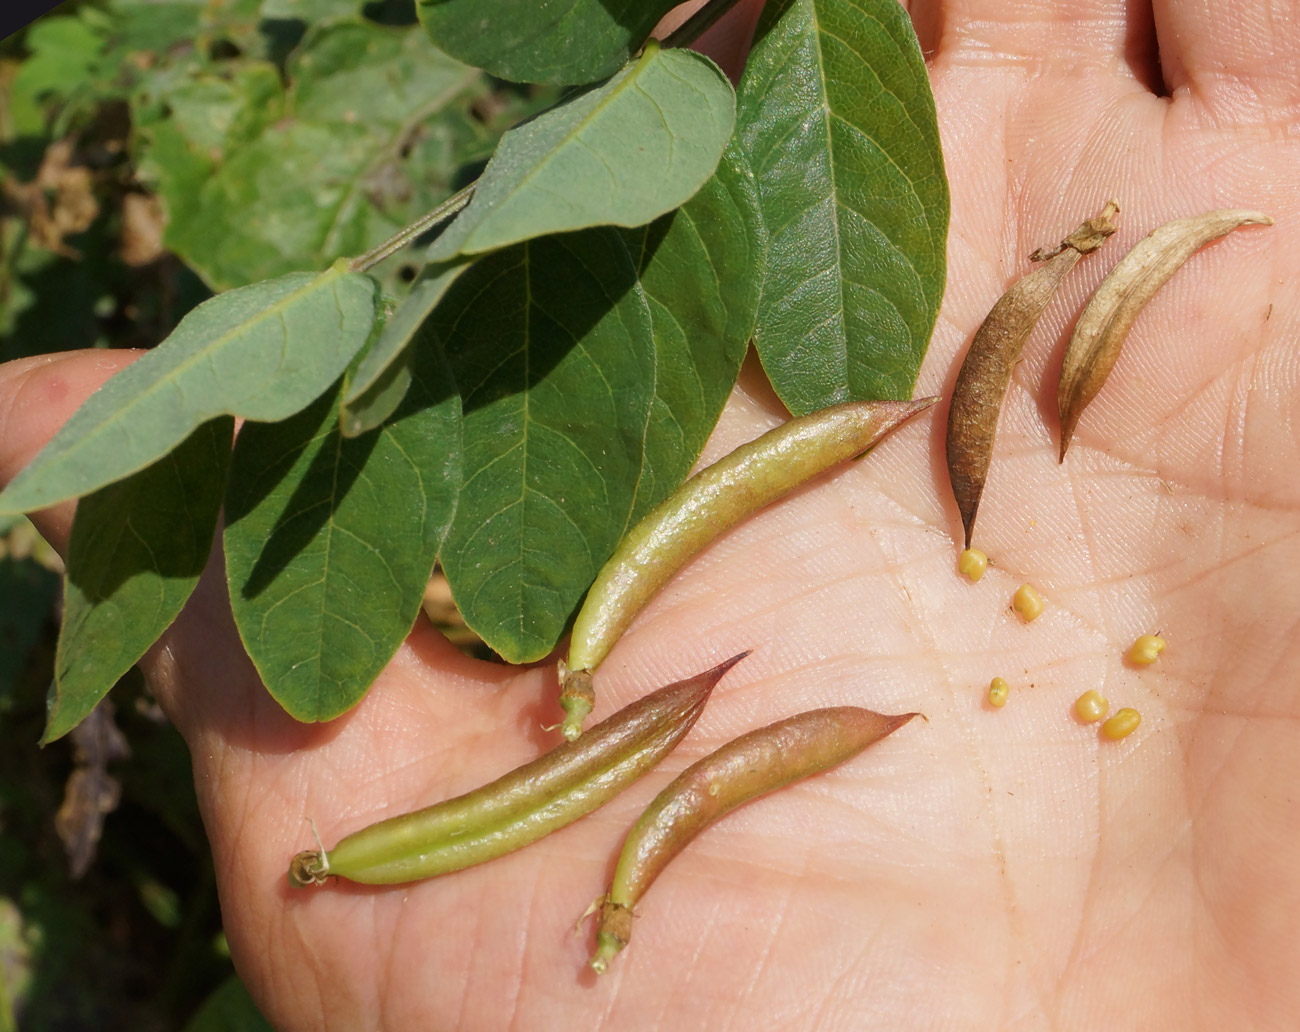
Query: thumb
x=37 y=396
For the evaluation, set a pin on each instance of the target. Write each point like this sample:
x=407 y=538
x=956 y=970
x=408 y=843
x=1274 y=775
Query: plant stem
x=395 y=243
x=697 y=24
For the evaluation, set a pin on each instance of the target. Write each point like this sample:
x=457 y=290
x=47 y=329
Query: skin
x=980 y=872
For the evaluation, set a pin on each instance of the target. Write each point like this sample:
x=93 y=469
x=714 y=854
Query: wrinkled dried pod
x=986 y=372
x=1099 y=334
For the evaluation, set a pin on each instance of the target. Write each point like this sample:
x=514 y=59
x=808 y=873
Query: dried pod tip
x=1027 y=602
x=998 y=691
x=1091 y=706
x=972 y=563
x=1122 y=724
x=1087 y=238
x=310 y=867
x=577 y=697
x=1147 y=649
x=612 y=934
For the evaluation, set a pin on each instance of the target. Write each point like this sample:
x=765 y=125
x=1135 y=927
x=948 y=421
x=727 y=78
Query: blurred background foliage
x=153 y=152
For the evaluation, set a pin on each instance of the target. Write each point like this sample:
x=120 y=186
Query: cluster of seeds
x=1090 y=356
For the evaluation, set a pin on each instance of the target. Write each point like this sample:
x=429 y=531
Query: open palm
x=987 y=869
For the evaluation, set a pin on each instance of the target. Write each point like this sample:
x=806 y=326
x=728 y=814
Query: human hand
x=987 y=869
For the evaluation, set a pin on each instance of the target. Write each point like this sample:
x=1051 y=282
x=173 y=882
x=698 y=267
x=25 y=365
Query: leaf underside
x=260 y=352
x=136 y=551
x=622 y=153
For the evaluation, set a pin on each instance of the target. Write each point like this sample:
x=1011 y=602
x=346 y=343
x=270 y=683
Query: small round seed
x=1122 y=724
x=972 y=563
x=1027 y=602
x=1146 y=649
x=1091 y=706
x=998 y=689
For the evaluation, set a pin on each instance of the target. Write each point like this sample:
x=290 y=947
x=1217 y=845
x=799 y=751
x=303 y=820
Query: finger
x=37 y=395
x=1242 y=57
x=1035 y=34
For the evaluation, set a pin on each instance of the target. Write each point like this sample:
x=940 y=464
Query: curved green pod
x=531 y=801
x=707 y=505
x=750 y=766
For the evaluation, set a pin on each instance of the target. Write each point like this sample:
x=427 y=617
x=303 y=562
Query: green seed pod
x=524 y=805
x=750 y=766
x=701 y=510
x=986 y=371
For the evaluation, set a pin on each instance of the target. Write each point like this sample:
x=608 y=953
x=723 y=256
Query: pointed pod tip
x=898 y=720
x=717 y=672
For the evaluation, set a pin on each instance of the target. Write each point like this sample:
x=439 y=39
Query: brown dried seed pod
x=986 y=372
x=1099 y=334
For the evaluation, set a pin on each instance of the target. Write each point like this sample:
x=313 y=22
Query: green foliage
x=552 y=348
x=700 y=269
x=838 y=122
x=383 y=375
x=330 y=541
x=593 y=300
x=229 y=1009
x=260 y=180
x=135 y=555
x=621 y=154
x=259 y=352
x=557 y=41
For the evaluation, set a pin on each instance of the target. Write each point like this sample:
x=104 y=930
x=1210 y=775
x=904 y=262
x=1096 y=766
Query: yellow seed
x=998 y=689
x=1146 y=649
x=1027 y=602
x=972 y=563
x=1122 y=724
x=1091 y=706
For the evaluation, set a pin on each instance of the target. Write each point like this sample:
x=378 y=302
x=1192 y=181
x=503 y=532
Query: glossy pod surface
x=750 y=766
x=524 y=805
x=708 y=504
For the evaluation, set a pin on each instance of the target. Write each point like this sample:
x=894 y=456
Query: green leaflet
x=229 y=1008
x=837 y=120
x=620 y=154
x=383 y=375
x=330 y=541
x=552 y=348
x=135 y=554
x=593 y=366
x=259 y=352
x=555 y=41
x=259 y=179
x=700 y=268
